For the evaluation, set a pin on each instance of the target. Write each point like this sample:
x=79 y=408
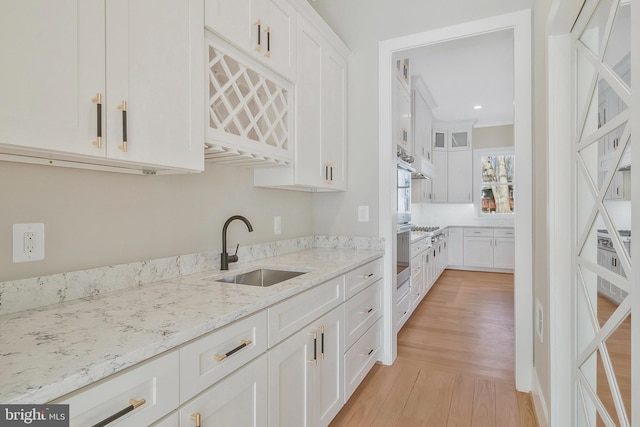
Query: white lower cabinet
x=306 y=372
x=151 y=388
x=489 y=248
x=172 y=420
x=361 y=312
x=456 y=247
x=360 y=358
x=241 y=399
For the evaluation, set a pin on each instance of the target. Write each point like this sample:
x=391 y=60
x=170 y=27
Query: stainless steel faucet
x=225 y=258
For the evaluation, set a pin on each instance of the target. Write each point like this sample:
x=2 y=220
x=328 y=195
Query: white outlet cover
x=19 y=253
x=277 y=225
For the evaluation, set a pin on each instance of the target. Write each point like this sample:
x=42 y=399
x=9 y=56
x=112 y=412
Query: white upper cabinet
x=320 y=116
x=265 y=28
x=401 y=123
x=150 y=65
x=460 y=177
x=118 y=83
x=53 y=64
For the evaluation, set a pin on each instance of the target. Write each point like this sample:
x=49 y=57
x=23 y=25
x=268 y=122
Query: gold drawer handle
x=197 y=418
x=221 y=357
x=133 y=404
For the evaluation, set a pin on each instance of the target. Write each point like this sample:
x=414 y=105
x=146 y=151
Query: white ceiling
x=466 y=72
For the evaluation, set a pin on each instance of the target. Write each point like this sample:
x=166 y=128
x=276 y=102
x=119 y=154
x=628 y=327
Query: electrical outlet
x=539 y=319
x=28 y=242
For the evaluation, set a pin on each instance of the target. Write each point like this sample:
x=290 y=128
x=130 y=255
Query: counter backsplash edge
x=25 y=294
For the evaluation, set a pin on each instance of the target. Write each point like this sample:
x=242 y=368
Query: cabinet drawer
x=155 y=381
x=402 y=312
x=362 y=311
x=360 y=358
x=503 y=232
x=289 y=316
x=209 y=359
x=358 y=279
x=420 y=246
x=238 y=400
x=169 y=421
x=478 y=232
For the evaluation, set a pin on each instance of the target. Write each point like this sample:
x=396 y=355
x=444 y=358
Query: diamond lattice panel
x=248 y=109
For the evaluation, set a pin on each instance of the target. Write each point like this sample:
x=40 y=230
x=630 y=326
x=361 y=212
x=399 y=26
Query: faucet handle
x=234 y=257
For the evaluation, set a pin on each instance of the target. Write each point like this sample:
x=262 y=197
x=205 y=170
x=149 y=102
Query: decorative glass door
x=602 y=213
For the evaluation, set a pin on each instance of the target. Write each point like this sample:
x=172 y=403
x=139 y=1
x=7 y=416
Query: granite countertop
x=50 y=351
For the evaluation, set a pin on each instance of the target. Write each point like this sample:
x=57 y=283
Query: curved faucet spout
x=225 y=258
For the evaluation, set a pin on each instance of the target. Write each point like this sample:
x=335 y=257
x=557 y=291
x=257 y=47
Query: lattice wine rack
x=249 y=119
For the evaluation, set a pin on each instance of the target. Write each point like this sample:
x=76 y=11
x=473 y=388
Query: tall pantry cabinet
x=103 y=82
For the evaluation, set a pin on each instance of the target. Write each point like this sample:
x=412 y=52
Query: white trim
x=560 y=311
x=520 y=22
x=539 y=405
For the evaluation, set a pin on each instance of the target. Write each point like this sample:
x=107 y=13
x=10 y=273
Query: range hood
x=424 y=169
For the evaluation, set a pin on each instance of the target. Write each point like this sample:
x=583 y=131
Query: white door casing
x=520 y=22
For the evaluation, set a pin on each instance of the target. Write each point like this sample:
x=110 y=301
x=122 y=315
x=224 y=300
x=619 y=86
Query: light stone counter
x=50 y=351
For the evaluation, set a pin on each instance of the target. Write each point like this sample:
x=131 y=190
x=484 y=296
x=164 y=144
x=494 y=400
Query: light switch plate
x=28 y=242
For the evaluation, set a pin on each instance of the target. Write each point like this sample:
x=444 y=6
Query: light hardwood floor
x=455 y=364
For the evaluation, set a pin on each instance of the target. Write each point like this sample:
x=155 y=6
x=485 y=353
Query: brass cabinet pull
x=221 y=357
x=314 y=361
x=98 y=101
x=258 y=48
x=123 y=107
x=322 y=342
x=268 y=31
x=197 y=418
x=133 y=404
x=367 y=354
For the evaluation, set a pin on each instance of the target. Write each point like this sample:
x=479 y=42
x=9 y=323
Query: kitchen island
x=51 y=351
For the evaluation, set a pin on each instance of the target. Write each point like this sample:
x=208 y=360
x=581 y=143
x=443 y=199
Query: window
x=496 y=170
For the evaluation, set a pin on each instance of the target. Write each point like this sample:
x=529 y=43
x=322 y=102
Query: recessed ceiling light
x=477 y=107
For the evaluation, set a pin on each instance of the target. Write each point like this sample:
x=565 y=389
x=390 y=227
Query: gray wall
x=492 y=137
x=97 y=219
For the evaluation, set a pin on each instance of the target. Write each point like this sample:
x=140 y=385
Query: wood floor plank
x=455 y=364
x=461 y=409
x=484 y=404
x=527 y=415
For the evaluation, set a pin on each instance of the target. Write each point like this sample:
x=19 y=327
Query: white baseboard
x=539 y=401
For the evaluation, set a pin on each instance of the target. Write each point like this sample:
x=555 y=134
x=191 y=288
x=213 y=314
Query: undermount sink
x=262 y=277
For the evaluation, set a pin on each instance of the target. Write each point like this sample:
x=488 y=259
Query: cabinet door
x=234 y=20
x=440 y=138
x=53 y=64
x=421 y=190
x=402 y=111
x=460 y=176
x=291 y=380
x=154 y=64
x=421 y=119
x=478 y=252
x=329 y=373
x=439 y=185
x=459 y=139
x=278 y=39
x=238 y=400
x=456 y=244
x=308 y=168
x=504 y=253
x=334 y=131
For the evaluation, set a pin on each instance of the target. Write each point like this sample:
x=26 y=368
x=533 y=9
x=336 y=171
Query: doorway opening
x=520 y=25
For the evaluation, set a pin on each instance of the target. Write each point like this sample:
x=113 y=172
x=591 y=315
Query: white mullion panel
x=608 y=127
x=593 y=315
x=586 y=388
x=607 y=329
x=581 y=48
x=616 y=279
x=613 y=385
